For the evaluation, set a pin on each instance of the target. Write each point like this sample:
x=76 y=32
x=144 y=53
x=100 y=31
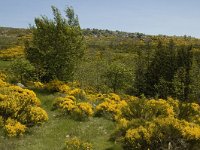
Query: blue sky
x=170 y=17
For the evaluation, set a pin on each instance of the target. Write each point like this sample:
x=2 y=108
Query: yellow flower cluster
x=156 y=124
x=2 y=76
x=1 y=121
x=78 y=93
x=83 y=110
x=150 y=109
x=74 y=143
x=96 y=98
x=160 y=132
x=68 y=89
x=54 y=85
x=14 y=128
x=190 y=112
x=142 y=123
x=22 y=105
x=175 y=104
x=135 y=135
x=11 y=53
x=3 y=84
x=64 y=88
x=68 y=105
x=111 y=106
x=158 y=108
x=37 y=115
x=38 y=85
x=123 y=123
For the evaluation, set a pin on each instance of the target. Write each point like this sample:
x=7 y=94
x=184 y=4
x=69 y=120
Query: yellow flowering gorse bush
x=2 y=76
x=11 y=53
x=190 y=112
x=74 y=143
x=156 y=124
x=20 y=107
x=83 y=110
x=160 y=132
x=38 y=85
x=66 y=104
x=54 y=85
x=69 y=106
x=14 y=128
x=141 y=123
x=110 y=106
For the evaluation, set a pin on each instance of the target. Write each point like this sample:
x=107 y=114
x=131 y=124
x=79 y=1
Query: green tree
x=161 y=70
x=22 y=70
x=195 y=77
x=56 y=47
x=185 y=63
x=179 y=83
x=155 y=70
x=140 y=71
x=118 y=77
x=90 y=72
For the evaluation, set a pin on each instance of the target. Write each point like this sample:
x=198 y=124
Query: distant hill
x=10 y=36
x=116 y=40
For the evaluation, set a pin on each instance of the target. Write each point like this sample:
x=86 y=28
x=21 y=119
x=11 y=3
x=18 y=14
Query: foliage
x=20 y=105
x=158 y=124
x=22 y=70
x=69 y=106
x=111 y=107
x=117 y=77
x=56 y=47
x=54 y=85
x=74 y=143
x=66 y=88
x=2 y=76
x=165 y=133
x=190 y=112
x=162 y=69
x=38 y=85
x=37 y=115
x=83 y=110
x=14 y=128
x=142 y=123
x=66 y=104
x=12 y=53
x=1 y=121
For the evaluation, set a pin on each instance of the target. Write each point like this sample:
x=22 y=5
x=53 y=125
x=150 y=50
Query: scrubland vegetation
x=85 y=89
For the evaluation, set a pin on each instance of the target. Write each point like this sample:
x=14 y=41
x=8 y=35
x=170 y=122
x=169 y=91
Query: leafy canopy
x=57 y=45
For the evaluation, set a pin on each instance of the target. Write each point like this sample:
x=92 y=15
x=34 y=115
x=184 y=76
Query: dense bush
x=22 y=70
x=162 y=133
x=158 y=124
x=66 y=104
x=14 y=128
x=54 y=85
x=74 y=143
x=19 y=108
x=83 y=110
x=111 y=106
x=141 y=123
x=56 y=47
x=12 y=53
x=69 y=106
x=190 y=112
x=148 y=109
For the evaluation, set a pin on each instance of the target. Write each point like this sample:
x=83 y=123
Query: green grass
x=52 y=135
